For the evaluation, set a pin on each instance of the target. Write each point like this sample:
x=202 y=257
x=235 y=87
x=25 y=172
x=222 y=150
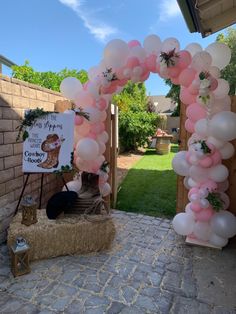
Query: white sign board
x=49 y=144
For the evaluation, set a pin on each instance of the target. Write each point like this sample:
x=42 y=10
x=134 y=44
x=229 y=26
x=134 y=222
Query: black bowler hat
x=59 y=203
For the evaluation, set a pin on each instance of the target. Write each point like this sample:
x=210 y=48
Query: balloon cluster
x=210 y=120
x=213 y=126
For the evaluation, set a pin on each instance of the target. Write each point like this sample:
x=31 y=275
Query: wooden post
x=108 y=149
x=114 y=151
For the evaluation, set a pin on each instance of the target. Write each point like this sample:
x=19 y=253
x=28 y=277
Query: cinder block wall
x=15 y=97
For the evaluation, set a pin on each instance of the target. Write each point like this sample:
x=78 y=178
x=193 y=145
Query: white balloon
x=202 y=230
x=87 y=149
x=201 y=127
x=103 y=137
x=216 y=240
x=189 y=211
x=214 y=71
x=222 y=89
x=223 y=186
x=152 y=44
x=227 y=151
x=193 y=48
x=116 y=53
x=220 y=53
x=224 y=224
x=223 y=126
x=216 y=142
x=70 y=87
x=192 y=183
x=183 y=224
x=105 y=189
x=93 y=72
x=226 y=201
x=204 y=203
x=179 y=164
x=188 y=187
x=74 y=185
x=218 y=173
x=201 y=61
x=170 y=44
x=138 y=52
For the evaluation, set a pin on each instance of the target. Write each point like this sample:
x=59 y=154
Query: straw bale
x=68 y=235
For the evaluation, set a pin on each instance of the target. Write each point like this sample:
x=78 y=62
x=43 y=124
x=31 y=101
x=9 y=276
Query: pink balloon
x=193 y=191
x=187 y=76
x=206 y=162
x=132 y=62
x=151 y=63
x=193 y=89
x=122 y=82
x=84 y=128
x=216 y=158
x=186 y=97
x=195 y=112
x=214 y=84
x=209 y=185
x=78 y=120
x=97 y=128
x=195 y=207
x=92 y=135
x=133 y=43
x=205 y=214
x=174 y=71
x=189 y=126
x=144 y=76
x=175 y=80
x=84 y=99
x=101 y=104
x=184 y=59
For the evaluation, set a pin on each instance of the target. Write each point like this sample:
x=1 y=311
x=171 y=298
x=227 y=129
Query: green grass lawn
x=150 y=186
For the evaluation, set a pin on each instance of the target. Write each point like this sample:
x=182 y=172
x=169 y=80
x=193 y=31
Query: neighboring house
x=162 y=104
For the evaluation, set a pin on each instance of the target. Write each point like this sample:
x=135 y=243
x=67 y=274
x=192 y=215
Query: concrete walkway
x=148 y=270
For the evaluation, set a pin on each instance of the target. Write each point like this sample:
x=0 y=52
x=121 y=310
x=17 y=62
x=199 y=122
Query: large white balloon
x=227 y=151
x=179 y=164
x=220 y=53
x=218 y=241
x=201 y=61
x=218 y=173
x=70 y=87
x=116 y=53
x=201 y=127
x=222 y=89
x=202 y=230
x=138 y=52
x=198 y=174
x=223 y=126
x=94 y=114
x=152 y=44
x=183 y=224
x=193 y=48
x=170 y=44
x=87 y=149
x=224 y=224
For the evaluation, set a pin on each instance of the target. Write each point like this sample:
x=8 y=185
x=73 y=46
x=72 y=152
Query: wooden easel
x=41 y=189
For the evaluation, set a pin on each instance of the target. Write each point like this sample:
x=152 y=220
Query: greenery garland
x=215 y=201
x=29 y=119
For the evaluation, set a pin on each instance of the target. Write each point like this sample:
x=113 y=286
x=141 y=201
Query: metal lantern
x=20 y=257
x=29 y=211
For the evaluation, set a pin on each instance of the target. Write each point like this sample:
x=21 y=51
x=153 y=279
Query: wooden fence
x=182 y=192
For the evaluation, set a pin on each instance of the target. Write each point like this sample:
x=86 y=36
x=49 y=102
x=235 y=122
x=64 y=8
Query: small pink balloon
x=216 y=158
x=209 y=185
x=97 y=128
x=133 y=43
x=214 y=84
x=78 y=120
x=195 y=112
x=101 y=104
x=151 y=63
x=92 y=135
x=184 y=59
x=205 y=214
x=175 y=80
x=186 y=77
x=122 y=82
x=132 y=62
x=189 y=126
x=195 y=207
x=186 y=97
x=144 y=76
x=206 y=162
x=193 y=191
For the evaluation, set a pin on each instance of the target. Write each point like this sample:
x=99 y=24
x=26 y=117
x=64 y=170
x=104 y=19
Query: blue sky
x=54 y=34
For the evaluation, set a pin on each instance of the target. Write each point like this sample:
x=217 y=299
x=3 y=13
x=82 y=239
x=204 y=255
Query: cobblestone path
x=148 y=270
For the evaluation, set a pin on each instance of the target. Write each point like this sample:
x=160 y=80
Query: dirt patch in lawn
x=124 y=163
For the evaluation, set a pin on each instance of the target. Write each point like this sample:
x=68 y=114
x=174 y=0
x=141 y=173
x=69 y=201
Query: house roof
x=208 y=16
x=163 y=104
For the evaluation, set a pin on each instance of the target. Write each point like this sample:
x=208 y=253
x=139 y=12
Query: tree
x=228 y=73
x=51 y=80
x=173 y=94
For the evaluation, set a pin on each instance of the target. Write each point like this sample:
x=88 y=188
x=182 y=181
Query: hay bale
x=64 y=236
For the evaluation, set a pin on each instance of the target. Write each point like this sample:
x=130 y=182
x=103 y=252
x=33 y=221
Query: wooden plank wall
x=182 y=192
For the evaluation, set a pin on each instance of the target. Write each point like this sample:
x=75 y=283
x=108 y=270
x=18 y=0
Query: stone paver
x=149 y=269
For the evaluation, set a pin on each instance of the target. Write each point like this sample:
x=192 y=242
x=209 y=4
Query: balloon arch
x=210 y=121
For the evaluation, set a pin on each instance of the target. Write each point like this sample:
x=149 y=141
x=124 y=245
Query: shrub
x=135 y=128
